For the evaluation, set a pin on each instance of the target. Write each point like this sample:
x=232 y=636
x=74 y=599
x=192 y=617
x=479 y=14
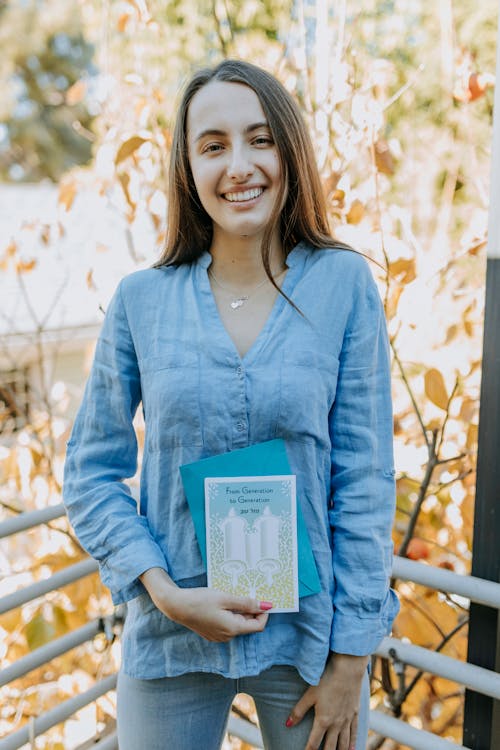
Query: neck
x=238 y=261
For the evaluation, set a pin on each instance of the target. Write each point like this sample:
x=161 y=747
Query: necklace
x=238 y=301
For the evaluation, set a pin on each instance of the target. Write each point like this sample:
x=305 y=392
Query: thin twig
x=411 y=395
x=447 y=415
x=431 y=464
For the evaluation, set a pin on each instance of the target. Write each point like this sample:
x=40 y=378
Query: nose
x=240 y=165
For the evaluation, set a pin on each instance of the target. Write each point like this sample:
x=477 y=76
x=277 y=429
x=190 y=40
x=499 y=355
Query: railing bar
x=245 y=731
x=475 y=678
x=473 y=588
x=49 y=651
x=58 y=714
x=108 y=743
x=62 y=578
x=418 y=739
x=470 y=587
x=31 y=518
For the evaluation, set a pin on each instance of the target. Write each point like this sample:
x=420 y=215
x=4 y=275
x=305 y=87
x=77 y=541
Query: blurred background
x=398 y=95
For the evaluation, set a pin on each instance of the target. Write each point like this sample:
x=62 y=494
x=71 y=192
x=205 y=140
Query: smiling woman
x=255 y=324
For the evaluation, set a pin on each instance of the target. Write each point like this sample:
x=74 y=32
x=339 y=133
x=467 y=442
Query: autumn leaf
x=435 y=389
x=476 y=247
x=123 y=22
x=356 y=212
x=384 y=160
x=403 y=269
x=67 y=193
x=391 y=306
x=124 y=182
x=45 y=234
x=39 y=632
x=90 y=280
x=472 y=435
x=478 y=83
x=128 y=147
x=76 y=92
x=330 y=183
x=25 y=266
x=11 y=249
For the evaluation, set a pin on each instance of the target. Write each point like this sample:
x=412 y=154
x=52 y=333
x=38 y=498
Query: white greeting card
x=251 y=528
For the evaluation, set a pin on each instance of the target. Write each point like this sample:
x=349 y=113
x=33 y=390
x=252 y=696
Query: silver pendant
x=236 y=303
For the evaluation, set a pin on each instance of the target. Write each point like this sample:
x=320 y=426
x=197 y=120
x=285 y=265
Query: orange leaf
x=384 y=160
x=472 y=433
x=11 y=249
x=128 y=147
x=356 y=212
x=124 y=182
x=417 y=549
x=476 y=247
x=330 y=183
x=76 y=92
x=478 y=83
x=391 y=307
x=23 y=266
x=67 y=193
x=122 y=22
x=45 y=234
x=404 y=268
x=90 y=281
x=435 y=388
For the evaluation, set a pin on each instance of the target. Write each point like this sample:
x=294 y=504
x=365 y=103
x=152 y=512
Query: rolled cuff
x=360 y=636
x=121 y=570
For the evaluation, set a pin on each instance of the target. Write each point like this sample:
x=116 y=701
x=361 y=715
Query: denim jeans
x=190 y=712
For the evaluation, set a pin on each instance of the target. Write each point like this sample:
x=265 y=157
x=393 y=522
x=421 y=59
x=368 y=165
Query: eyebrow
x=215 y=131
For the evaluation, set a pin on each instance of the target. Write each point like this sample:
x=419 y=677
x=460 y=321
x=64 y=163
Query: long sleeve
x=101 y=453
x=362 y=481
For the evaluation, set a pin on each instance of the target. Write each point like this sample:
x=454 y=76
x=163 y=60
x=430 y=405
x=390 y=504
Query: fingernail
x=266 y=605
x=289 y=722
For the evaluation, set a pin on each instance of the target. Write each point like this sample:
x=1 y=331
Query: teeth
x=245 y=196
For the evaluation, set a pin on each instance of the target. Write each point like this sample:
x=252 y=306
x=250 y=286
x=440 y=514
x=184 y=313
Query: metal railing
x=473 y=677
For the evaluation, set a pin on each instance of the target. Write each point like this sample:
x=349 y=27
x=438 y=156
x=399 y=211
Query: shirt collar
x=291 y=259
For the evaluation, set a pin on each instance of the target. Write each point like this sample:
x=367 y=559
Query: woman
x=254 y=324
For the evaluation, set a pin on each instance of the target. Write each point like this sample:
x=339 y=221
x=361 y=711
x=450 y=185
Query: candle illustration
x=268 y=529
x=233 y=528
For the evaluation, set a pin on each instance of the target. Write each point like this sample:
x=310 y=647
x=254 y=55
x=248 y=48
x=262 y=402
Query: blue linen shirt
x=319 y=380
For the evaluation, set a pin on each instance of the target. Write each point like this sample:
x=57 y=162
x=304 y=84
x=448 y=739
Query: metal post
x=482 y=714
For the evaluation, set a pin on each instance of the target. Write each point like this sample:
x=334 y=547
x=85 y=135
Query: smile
x=246 y=195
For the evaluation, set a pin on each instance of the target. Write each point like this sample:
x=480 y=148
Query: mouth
x=243 y=196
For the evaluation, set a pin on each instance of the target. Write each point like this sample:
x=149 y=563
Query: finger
x=354 y=733
x=251 y=625
x=301 y=708
x=316 y=736
x=343 y=742
x=245 y=604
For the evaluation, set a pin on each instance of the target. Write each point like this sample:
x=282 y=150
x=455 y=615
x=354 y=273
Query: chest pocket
x=170 y=396
x=308 y=385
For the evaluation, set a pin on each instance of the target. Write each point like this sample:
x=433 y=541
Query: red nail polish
x=288 y=722
x=266 y=605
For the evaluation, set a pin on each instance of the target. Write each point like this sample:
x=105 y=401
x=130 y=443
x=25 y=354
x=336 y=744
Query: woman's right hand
x=212 y=614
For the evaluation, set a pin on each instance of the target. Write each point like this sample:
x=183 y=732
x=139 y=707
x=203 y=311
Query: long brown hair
x=303 y=214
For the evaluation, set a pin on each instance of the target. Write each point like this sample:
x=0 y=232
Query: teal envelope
x=262 y=459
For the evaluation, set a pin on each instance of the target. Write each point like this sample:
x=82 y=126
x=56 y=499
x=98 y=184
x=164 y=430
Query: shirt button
x=239 y=370
x=240 y=426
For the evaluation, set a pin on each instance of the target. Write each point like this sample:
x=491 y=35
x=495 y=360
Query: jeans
x=190 y=712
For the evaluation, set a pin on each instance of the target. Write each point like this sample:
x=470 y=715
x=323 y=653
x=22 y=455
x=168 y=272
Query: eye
x=263 y=140
x=211 y=148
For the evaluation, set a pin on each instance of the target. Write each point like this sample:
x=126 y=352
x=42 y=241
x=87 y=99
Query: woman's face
x=233 y=159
